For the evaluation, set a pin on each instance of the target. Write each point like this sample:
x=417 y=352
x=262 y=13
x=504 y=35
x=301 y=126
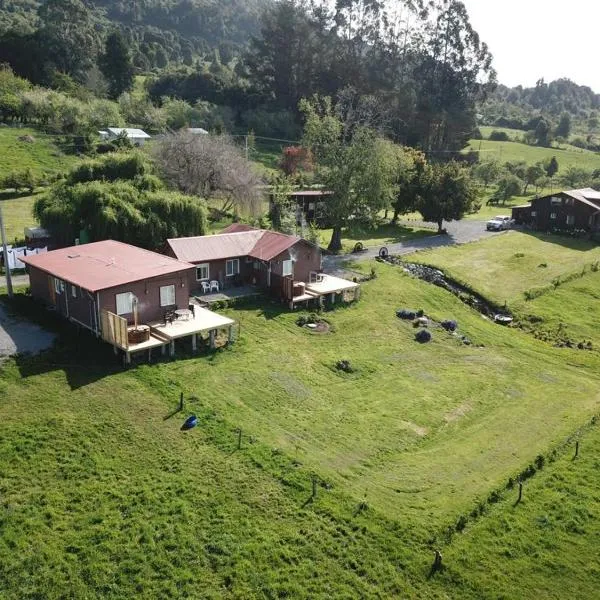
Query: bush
x=449 y=325
x=423 y=336
x=406 y=314
x=499 y=136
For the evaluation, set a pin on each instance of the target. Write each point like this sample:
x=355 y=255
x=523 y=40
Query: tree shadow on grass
x=580 y=244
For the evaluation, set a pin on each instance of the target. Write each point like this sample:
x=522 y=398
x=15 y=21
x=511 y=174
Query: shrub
x=499 y=136
x=423 y=336
x=449 y=325
x=406 y=314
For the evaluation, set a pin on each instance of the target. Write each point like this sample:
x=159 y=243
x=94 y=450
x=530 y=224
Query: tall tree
x=68 y=37
x=448 y=194
x=116 y=64
x=563 y=128
x=552 y=167
x=410 y=179
x=356 y=165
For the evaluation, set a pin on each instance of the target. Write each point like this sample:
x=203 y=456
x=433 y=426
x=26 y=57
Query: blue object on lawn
x=190 y=423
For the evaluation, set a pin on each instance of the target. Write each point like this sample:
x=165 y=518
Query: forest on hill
x=517 y=107
x=160 y=32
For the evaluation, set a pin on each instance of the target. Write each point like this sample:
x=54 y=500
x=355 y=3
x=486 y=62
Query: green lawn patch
x=40 y=152
x=516 y=151
x=102 y=495
x=17 y=215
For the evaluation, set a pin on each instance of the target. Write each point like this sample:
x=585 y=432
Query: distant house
x=310 y=206
x=561 y=211
x=285 y=266
x=108 y=287
x=137 y=136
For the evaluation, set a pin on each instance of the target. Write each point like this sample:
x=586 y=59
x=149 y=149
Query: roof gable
x=256 y=243
x=103 y=265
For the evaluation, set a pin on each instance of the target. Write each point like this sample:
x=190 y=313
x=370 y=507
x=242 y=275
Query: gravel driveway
x=20 y=336
x=459 y=232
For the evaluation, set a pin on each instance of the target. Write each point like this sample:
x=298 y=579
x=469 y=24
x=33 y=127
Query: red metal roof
x=102 y=265
x=256 y=243
x=237 y=227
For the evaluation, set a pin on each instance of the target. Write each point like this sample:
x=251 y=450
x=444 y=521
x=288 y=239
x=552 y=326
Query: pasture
x=566 y=156
x=102 y=495
x=17 y=215
x=23 y=148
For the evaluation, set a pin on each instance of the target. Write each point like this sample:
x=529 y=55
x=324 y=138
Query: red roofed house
x=284 y=265
x=108 y=286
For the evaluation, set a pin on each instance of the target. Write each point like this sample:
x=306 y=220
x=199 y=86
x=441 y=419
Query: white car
x=499 y=223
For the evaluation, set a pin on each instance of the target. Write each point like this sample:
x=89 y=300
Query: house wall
x=543 y=208
x=80 y=308
x=217 y=272
x=307 y=259
x=148 y=295
x=83 y=307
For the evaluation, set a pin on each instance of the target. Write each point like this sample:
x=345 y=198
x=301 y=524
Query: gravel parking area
x=20 y=336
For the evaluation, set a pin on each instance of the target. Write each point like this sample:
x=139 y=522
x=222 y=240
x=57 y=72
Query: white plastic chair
x=214 y=285
x=205 y=287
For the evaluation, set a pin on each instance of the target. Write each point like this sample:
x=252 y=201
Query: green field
x=510 y=268
x=103 y=496
x=17 y=215
x=515 y=151
x=43 y=156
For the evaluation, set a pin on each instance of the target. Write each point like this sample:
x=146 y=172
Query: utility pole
x=5 y=254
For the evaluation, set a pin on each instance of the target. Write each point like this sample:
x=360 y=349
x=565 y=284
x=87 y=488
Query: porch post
x=212 y=339
x=163 y=349
x=230 y=334
x=194 y=342
x=172 y=345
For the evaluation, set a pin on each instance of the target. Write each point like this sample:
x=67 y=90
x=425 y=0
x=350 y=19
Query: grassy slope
x=101 y=496
x=42 y=156
x=542 y=548
x=515 y=151
x=493 y=267
x=17 y=215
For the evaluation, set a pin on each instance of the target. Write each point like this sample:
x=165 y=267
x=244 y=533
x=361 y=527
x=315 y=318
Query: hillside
x=160 y=30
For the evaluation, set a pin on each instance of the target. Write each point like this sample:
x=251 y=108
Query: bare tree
x=211 y=166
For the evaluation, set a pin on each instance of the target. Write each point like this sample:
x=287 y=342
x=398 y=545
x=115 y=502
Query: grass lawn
x=515 y=151
x=544 y=547
x=42 y=156
x=506 y=267
x=17 y=215
x=102 y=496
x=377 y=236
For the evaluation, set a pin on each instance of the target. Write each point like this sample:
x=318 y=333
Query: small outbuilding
x=138 y=137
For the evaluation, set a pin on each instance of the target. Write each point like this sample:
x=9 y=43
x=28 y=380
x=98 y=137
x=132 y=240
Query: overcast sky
x=531 y=39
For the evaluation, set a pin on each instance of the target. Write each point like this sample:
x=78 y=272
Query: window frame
x=74 y=293
x=160 y=295
x=285 y=263
x=570 y=219
x=235 y=270
x=202 y=266
x=127 y=312
x=534 y=213
x=553 y=216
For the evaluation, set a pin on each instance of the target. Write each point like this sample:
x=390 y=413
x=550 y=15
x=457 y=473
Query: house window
x=534 y=213
x=202 y=272
x=554 y=200
x=569 y=201
x=74 y=291
x=59 y=285
x=570 y=219
x=553 y=215
x=124 y=303
x=288 y=267
x=232 y=267
x=167 y=295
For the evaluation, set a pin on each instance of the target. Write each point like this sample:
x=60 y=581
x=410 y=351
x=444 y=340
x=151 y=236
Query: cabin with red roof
x=244 y=255
x=133 y=298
